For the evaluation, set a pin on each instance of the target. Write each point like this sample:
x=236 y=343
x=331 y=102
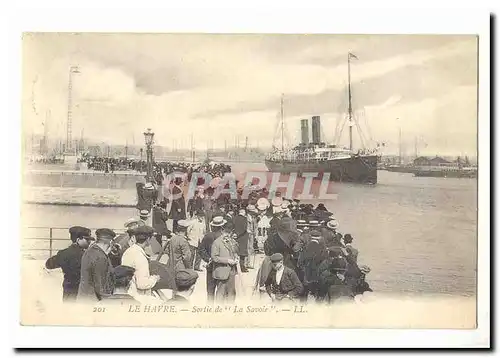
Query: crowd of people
x=303 y=256
x=160 y=168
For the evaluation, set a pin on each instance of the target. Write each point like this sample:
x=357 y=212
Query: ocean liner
x=342 y=164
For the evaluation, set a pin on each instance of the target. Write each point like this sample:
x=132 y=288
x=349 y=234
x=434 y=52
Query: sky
x=220 y=89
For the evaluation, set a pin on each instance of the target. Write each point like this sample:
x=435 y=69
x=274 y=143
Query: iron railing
x=52 y=235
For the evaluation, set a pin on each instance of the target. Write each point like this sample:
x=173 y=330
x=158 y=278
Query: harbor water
x=418 y=235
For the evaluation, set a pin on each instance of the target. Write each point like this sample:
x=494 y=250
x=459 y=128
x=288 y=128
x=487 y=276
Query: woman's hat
x=262 y=204
x=218 y=221
x=277 y=201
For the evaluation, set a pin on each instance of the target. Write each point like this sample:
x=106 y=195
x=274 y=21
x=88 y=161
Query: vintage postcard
x=249 y=180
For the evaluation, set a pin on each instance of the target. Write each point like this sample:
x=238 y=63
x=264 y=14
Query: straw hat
x=218 y=221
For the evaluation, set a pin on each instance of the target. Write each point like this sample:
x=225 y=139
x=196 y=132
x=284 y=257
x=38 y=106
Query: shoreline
x=96 y=205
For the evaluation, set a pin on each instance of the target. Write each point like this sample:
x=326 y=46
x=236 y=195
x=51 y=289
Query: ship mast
x=349 y=55
x=282 y=129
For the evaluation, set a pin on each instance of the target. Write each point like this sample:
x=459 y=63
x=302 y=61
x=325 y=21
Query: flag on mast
x=351 y=55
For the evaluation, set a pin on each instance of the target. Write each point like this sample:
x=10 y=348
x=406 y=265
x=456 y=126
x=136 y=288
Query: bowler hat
x=185 y=278
x=348 y=238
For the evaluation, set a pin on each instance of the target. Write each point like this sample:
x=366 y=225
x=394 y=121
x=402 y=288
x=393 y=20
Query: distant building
x=425 y=162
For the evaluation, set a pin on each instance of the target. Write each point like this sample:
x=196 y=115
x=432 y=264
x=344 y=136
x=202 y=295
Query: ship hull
x=356 y=169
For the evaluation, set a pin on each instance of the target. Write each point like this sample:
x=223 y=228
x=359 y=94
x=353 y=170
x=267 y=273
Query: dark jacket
x=289 y=285
x=274 y=244
x=205 y=247
x=240 y=229
x=195 y=204
x=179 y=253
x=178 y=208
x=146 y=198
x=160 y=218
x=70 y=261
x=96 y=279
x=310 y=259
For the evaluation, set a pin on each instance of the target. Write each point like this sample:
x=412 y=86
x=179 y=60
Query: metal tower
x=69 y=124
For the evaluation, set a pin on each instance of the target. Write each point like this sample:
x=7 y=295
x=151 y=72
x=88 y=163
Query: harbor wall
x=95 y=180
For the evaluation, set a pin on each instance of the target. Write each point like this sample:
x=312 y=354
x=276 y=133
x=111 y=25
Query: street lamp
x=149 y=140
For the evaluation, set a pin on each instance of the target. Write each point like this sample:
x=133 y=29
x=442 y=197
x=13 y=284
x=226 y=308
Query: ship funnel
x=316 y=130
x=304 y=130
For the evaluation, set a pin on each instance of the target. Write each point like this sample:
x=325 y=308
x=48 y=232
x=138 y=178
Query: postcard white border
x=277 y=19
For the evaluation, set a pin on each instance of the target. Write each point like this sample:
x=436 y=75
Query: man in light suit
x=136 y=257
x=224 y=256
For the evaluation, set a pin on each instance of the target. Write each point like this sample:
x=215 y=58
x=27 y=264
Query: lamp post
x=148 y=138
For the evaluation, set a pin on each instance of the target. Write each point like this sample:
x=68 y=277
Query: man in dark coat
x=309 y=260
x=70 y=260
x=178 y=208
x=240 y=229
x=205 y=252
x=96 y=279
x=282 y=283
x=332 y=278
x=185 y=280
x=160 y=217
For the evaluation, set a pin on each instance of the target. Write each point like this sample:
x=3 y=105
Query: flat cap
x=183 y=223
x=276 y=257
x=105 y=234
x=143 y=231
x=79 y=231
x=123 y=271
x=186 y=277
x=133 y=223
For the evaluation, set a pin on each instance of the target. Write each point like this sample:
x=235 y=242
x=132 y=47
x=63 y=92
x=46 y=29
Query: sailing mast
x=282 y=129
x=349 y=97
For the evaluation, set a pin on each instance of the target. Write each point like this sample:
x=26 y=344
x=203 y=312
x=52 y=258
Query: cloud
x=222 y=86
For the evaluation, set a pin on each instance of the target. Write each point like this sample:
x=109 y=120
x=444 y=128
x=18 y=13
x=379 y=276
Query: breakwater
x=76 y=179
